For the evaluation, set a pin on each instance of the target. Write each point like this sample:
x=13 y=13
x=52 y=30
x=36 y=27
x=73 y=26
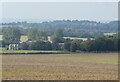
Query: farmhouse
x=13 y=46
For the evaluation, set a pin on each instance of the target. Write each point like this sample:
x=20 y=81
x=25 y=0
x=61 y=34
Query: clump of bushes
x=38 y=45
x=99 y=44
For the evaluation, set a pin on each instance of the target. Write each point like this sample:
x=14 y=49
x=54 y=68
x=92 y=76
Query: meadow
x=82 y=66
x=31 y=52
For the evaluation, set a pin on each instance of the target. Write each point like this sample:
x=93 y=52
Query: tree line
x=72 y=28
x=99 y=44
x=39 y=41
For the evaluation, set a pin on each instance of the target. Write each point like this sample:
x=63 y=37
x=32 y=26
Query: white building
x=13 y=46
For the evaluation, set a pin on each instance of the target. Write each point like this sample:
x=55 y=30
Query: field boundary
x=47 y=52
x=60 y=81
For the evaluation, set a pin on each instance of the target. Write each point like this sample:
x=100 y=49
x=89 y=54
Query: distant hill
x=72 y=28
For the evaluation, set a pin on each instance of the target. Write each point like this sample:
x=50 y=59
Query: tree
x=87 y=45
x=55 y=46
x=57 y=37
x=40 y=45
x=67 y=44
x=75 y=45
x=99 y=44
x=40 y=35
x=58 y=33
x=32 y=33
x=37 y=35
x=24 y=46
x=11 y=35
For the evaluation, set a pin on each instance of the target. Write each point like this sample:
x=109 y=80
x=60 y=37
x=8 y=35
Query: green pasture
x=30 y=51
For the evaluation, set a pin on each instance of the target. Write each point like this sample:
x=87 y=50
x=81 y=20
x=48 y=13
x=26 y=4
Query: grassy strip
x=30 y=52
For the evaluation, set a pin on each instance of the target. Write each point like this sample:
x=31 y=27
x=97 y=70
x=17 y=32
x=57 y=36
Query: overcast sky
x=97 y=11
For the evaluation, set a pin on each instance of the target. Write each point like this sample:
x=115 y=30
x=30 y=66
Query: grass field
x=30 y=51
x=76 y=38
x=83 y=66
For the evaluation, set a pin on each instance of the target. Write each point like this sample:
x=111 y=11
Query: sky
x=95 y=11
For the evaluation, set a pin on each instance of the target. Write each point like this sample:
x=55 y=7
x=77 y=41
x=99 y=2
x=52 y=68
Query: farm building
x=13 y=46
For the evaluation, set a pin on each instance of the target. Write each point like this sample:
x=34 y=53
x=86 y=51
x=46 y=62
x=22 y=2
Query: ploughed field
x=83 y=66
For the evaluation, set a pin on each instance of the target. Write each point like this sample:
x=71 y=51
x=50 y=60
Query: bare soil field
x=83 y=66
